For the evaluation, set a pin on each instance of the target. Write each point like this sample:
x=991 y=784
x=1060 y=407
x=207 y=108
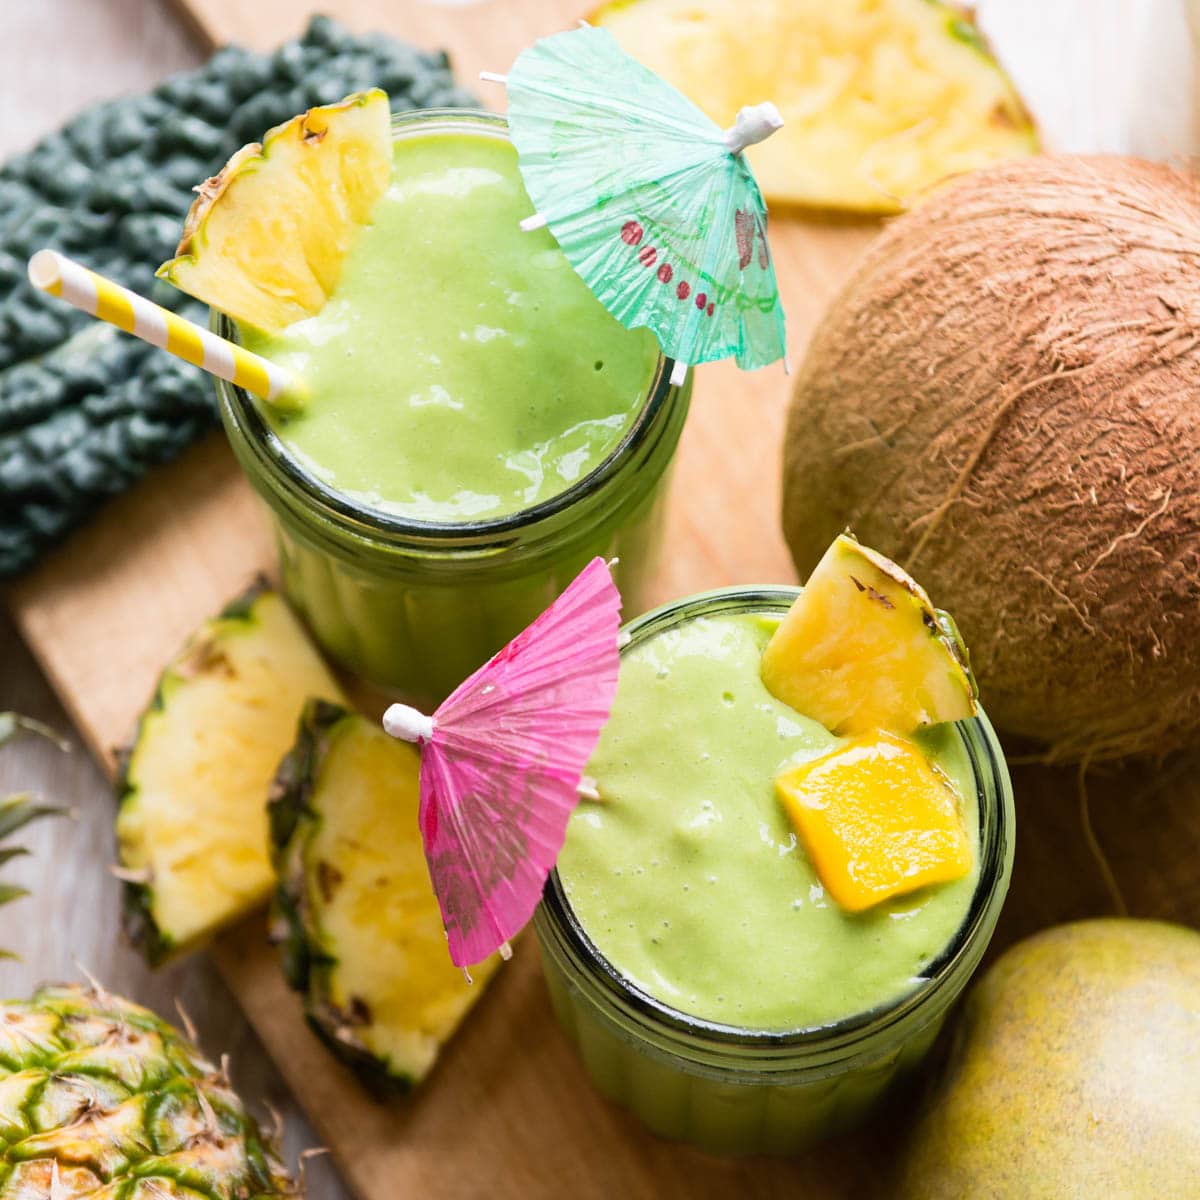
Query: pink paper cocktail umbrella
x=502 y=760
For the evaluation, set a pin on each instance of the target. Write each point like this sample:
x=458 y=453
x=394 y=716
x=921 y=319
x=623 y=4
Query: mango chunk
x=876 y=820
x=862 y=648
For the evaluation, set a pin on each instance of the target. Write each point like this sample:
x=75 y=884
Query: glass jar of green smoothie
x=691 y=954
x=478 y=426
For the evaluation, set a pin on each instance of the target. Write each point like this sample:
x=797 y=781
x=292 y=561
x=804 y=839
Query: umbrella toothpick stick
x=502 y=761
x=411 y=725
x=60 y=276
x=537 y=220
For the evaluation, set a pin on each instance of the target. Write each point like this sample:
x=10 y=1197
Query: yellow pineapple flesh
x=361 y=925
x=192 y=822
x=862 y=648
x=880 y=98
x=265 y=239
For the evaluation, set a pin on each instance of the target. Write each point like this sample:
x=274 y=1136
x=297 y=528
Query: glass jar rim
x=660 y=1018
x=246 y=416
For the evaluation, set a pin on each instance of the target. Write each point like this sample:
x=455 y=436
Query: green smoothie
x=461 y=370
x=705 y=978
x=479 y=426
x=687 y=875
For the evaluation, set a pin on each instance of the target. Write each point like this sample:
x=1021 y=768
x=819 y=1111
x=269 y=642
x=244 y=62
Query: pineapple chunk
x=880 y=98
x=361 y=925
x=265 y=240
x=192 y=823
x=876 y=820
x=862 y=648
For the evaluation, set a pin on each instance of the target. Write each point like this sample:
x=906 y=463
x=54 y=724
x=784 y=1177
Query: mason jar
x=735 y=1090
x=416 y=606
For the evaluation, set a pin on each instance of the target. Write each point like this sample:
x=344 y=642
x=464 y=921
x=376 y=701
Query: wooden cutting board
x=508 y=1112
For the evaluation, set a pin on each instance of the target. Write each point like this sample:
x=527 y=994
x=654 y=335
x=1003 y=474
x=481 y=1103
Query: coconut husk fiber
x=1006 y=399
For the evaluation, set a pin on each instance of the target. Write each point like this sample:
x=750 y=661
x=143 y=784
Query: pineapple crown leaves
x=15 y=812
x=19 y=809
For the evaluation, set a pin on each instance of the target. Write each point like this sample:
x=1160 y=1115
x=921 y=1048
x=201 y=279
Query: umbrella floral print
x=502 y=760
x=653 y=204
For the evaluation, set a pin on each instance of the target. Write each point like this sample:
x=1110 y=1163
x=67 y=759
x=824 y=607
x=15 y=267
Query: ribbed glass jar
x=416 y=606
x=738 y=1090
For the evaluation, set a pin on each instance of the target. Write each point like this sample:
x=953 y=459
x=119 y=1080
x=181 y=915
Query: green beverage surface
x=461 y=370
x=687 y=875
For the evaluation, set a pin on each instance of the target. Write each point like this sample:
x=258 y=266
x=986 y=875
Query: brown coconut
x=1006 y=399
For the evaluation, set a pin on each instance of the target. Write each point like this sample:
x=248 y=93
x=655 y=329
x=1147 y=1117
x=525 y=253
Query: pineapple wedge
x=192 y=823
x=265 y=239
x=880 y=98
x=862 y=648
x=355 y=911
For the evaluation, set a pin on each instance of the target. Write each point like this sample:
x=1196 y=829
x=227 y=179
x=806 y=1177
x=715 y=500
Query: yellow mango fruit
x=876 y=819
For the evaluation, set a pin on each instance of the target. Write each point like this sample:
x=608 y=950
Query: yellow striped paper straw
x=76 y=284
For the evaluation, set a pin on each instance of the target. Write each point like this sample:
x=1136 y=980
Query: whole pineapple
x=99 y=1098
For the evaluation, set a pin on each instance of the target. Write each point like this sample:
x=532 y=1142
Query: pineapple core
x=876 y=819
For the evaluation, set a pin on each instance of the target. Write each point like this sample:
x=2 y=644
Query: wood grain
x=507 y=1112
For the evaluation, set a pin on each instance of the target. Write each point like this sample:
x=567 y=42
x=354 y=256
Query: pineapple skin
x=302 y=959
x=159 y=944
x=386 y=1004
x=121 y=1106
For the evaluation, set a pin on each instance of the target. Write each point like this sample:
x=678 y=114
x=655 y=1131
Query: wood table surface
x=56 y=57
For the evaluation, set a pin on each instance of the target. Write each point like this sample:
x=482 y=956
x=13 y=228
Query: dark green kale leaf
x=85 y=410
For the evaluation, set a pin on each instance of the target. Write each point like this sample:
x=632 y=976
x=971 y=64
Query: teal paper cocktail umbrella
x=653 y=204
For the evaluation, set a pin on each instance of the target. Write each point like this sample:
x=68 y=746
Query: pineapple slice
x=880 y=98
x=862 y=648
x=876 y=819
x=362 y=932
x=192 y=822
x=265 y=240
